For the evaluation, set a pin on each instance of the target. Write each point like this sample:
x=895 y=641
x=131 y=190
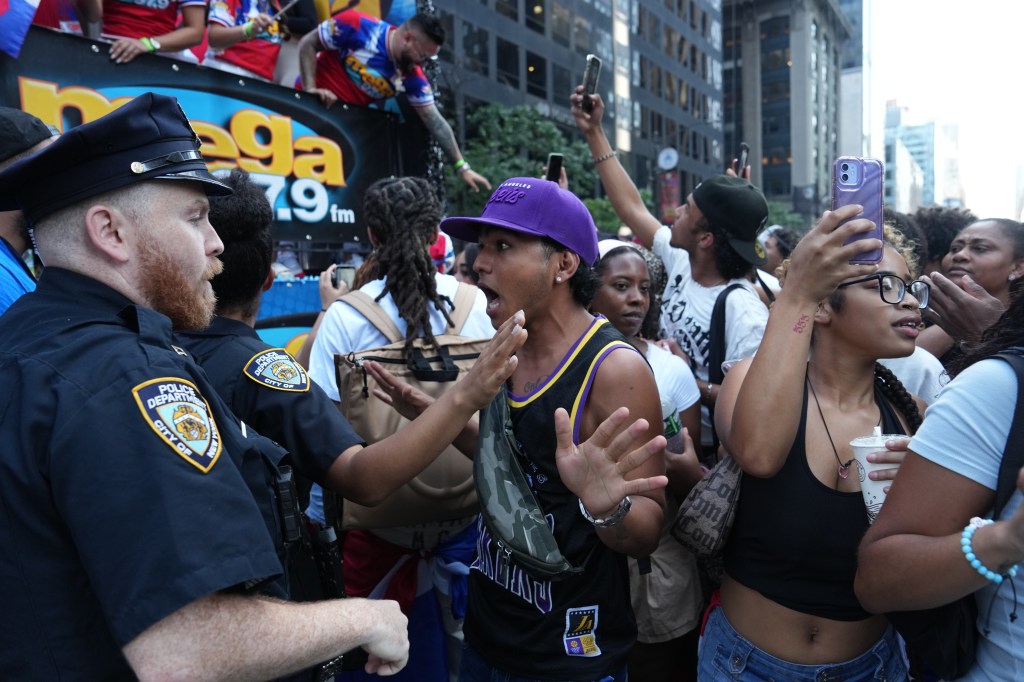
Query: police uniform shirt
x=269 y=390
x=121 y=500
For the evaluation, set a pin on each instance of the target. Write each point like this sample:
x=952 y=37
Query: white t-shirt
x=686 y=314
x=345 y=330
x=921 y=373
x=676 y=386
x=965 y=431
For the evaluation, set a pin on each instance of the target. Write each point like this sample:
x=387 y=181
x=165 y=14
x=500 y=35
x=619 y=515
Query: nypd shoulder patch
x=179 y=414
x=275 y=368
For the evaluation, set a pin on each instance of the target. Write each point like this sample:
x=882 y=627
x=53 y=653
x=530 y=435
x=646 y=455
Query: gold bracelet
x=604 y=157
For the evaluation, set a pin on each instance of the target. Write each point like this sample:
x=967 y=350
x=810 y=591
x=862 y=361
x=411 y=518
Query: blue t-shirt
x=965 y=431
x=14 y=278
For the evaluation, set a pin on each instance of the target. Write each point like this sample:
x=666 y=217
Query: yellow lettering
x=45 y=101
x=325 y=166
x=245 y=128
x=219 y=150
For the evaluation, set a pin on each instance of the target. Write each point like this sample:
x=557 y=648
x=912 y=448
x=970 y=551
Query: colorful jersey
x=356 y=66
x=143 y=18
x=258 y=55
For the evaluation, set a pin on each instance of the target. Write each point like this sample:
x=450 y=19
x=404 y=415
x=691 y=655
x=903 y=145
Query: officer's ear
x=106 y=231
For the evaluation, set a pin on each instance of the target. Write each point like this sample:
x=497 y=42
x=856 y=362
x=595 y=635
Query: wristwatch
x=613 y=520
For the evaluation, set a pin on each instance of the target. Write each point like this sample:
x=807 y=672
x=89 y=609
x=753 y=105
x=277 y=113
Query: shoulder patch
x=179 y=414
x=275 y=368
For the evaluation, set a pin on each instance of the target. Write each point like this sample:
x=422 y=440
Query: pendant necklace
x=844 y=469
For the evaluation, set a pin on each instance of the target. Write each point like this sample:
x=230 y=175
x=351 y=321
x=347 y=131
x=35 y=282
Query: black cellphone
x=743 y=158
x=590 y=75
x=554 y=167
x=343 y=273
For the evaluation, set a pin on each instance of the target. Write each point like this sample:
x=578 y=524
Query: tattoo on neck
x=801 y=324
x=530 y=385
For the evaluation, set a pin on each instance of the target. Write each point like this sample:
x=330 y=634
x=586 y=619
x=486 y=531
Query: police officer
x=133 y=545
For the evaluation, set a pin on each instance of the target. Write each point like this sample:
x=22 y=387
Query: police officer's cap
x=148 y=138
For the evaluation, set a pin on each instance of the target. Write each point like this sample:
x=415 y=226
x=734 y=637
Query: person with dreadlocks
x=786 y=608
x=402 y=217
x=914 y=556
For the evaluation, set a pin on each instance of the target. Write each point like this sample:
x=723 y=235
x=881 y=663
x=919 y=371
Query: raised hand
x=821 y=261
x=962 y=308
x=596 y=471
x=492 y=369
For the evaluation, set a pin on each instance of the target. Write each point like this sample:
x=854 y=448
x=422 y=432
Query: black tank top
x=795 y=539
x=579 y=628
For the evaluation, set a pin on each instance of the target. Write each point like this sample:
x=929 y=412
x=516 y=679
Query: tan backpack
x=443 y=491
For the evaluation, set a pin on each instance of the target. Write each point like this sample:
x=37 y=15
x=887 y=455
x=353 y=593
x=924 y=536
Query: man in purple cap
x=575 y=371
x=21 y=135
x=144 y=525
x=711 y=246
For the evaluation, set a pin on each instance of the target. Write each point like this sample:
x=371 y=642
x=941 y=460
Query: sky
x=958 y=61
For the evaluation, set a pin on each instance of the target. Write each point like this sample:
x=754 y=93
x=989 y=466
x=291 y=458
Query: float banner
x=315 y=163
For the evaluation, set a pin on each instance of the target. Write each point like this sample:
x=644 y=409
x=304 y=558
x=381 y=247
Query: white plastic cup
x=873 y=491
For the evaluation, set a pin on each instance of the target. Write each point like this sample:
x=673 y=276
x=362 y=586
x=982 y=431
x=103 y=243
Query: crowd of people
x=616 y=374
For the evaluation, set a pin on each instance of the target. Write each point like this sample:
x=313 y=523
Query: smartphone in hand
x=857 y=180
x=343 y=273
x=554 y=167
x=590 y=76
x=743 y=158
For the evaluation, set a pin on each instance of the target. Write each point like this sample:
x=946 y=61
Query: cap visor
x=748 y=251
x=211 y=185
x=468 y=229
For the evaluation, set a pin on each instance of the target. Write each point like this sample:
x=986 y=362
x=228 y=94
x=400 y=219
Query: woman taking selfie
x=787 y=608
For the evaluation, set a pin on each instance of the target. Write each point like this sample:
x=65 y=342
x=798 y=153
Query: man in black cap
x=711 y=246
x=139 y=537
x=21 y=135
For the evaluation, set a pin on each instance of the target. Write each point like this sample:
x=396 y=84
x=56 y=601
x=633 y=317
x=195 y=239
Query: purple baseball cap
x=537 y=207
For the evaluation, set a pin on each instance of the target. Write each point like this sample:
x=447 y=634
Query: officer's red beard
x=168 y=290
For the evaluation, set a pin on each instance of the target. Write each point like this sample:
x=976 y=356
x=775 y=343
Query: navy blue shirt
x=270 y=391
x=122 y=493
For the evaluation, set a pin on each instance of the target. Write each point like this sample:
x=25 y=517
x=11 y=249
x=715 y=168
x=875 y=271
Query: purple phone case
x=867 y=192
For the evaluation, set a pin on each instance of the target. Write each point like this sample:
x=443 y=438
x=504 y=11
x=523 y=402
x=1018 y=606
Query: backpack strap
x=716 y=349
x=1013 y=454
x=716 y=336
x=462 y=306
x=375 y=315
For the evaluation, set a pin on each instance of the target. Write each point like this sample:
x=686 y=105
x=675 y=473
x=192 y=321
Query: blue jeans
x=725 y=654
x=476 y=669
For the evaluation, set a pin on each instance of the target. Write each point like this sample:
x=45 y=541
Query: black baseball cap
x=19 y=132
x=734 y=205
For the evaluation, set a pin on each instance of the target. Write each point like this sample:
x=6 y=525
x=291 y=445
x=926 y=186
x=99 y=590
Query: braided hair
x=403 y=214
x=897 y=394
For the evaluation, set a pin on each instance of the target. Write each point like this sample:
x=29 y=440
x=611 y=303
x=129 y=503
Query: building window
x=561 y=25
x=448 y=23
x=535 y=15
x=582 y=33
x=561 y=82
x=508 y=8
x=475 y=49
x=508 y=63
x=536 y=75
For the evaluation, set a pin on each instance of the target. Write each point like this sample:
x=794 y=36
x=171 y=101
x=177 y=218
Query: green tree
x=781 y=213
x=515 y=142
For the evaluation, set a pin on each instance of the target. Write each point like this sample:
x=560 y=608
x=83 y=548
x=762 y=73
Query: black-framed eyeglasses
x=893 y=288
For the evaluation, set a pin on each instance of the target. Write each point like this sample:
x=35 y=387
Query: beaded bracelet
x=973 y=560
x=604 y=157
